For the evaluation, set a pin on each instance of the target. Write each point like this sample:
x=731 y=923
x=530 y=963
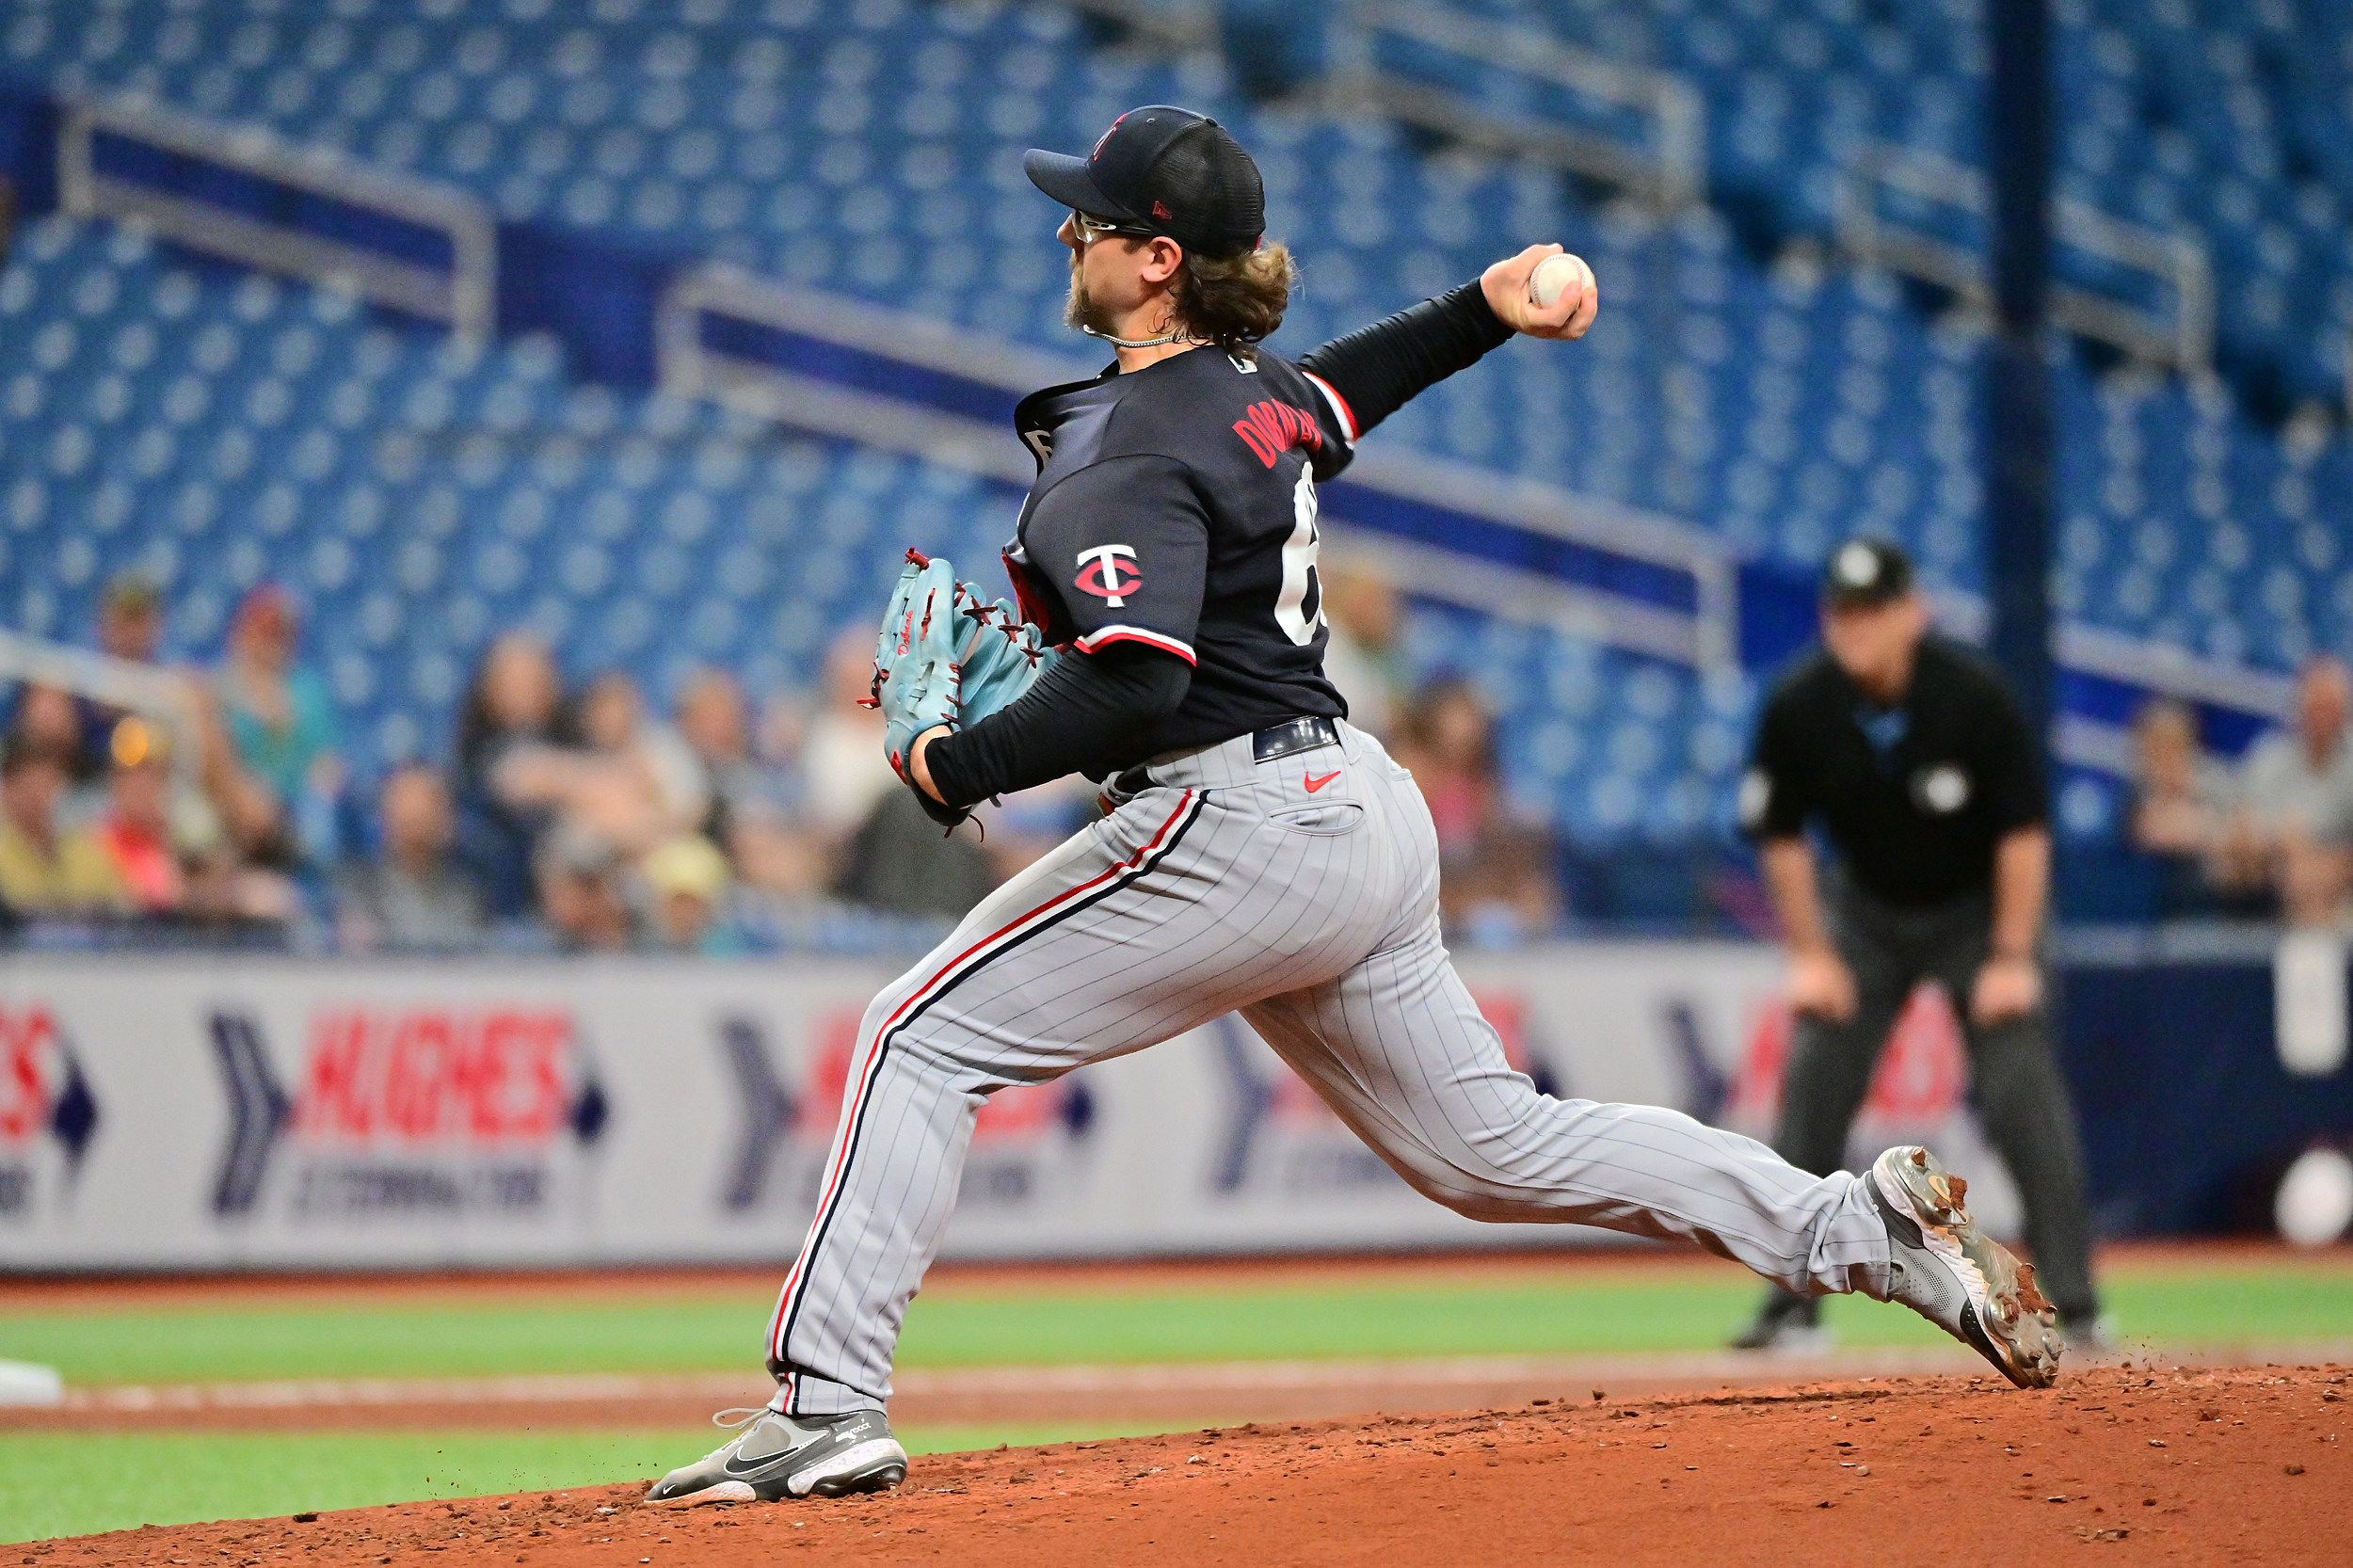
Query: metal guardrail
x=159 y=694
x=2185 y=342
x=1705 y=636
x=464 y=294
x=686 y=365
x=1669 y=173
x=1173 y=25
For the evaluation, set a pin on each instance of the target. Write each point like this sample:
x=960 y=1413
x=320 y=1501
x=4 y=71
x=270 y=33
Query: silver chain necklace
x=1177 y=336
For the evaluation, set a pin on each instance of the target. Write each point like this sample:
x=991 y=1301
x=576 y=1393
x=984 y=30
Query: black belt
x=1302 y=734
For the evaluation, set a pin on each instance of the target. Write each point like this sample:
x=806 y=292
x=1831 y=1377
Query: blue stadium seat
x=222 y=427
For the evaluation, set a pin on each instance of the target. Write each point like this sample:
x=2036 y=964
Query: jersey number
x=1299 y=568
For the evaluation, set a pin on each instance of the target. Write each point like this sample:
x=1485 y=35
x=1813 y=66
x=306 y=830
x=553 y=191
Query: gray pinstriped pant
x=1229 y=884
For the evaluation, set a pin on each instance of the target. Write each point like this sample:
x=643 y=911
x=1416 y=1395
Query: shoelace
x=742 y=1416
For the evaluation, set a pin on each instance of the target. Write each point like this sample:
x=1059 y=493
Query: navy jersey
x=1175 y=507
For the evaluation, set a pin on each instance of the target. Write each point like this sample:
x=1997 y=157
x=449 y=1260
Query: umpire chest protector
x=1175 y=508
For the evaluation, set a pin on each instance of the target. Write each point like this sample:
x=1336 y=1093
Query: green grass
x=1558 y=1315
x=71 y=1483
x=60 y=1483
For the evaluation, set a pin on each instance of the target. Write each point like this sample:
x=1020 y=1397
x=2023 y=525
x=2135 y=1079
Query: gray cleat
x=1943 y=1267
x=775 y=1456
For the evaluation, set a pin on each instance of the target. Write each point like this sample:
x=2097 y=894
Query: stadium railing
x=2182 y=338
x=160 y=694
x=244 y=194
x=1511 y=547
x=1664 y=164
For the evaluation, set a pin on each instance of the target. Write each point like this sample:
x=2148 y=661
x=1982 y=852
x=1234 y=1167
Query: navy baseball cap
x=1863 y=572
x=1163 y=170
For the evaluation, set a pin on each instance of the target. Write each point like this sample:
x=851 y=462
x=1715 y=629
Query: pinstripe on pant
x=1229 y=884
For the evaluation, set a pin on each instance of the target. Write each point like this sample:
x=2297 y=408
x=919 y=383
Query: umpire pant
x=2014 y=1082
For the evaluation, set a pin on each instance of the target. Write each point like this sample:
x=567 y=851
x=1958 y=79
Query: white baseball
x=1552 y=275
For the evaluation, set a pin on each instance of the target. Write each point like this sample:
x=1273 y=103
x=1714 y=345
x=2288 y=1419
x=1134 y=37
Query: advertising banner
x=223 y=1112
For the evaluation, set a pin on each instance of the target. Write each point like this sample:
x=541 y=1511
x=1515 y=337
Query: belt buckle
x=1303 y=733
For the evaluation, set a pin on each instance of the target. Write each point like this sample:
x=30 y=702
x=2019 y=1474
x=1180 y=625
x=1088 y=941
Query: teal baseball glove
x=915 y=656
x=998 y=655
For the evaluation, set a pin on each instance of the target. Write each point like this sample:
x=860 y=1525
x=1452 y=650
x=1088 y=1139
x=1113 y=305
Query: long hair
x=1233 y=301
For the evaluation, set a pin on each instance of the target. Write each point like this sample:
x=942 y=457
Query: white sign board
x=219 y=1112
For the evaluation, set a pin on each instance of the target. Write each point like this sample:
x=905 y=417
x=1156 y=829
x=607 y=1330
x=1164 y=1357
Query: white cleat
x=1943 y=1267
x=775 y=1456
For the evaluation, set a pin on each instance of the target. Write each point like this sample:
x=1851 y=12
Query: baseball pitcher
x=1256 y=853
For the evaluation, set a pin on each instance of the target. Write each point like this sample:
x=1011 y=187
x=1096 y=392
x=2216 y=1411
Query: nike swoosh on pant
x=1315 y=784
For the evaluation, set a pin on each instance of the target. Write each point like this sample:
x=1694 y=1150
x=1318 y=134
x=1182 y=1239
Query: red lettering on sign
x=430 y=1075
x=27 y=1040
x=1919 y=1081
x=1270 y=429
x=1021 y=1112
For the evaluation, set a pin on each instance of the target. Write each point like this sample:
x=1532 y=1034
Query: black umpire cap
x=1864 y=573
x=1163 y=170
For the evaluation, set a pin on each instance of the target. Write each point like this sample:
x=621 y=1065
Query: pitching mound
x=2148 y=1467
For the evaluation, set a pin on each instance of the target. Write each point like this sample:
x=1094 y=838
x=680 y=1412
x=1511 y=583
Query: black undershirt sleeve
x=1087 y=713
x=1375 y=369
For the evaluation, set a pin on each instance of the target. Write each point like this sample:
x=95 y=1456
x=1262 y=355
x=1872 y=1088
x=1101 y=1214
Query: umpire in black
x=1917 y=765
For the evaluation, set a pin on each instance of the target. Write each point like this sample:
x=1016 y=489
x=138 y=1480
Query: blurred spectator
x=2180 y=805
x=1363 y=657
x=282 y=731
x=44 y=868
x=581 y=893
x=638 y=784
x=47 y=720
x=842 y=760
x=130 y=628
x=512 y=708
x=1496 y=876
x=899 y=862
x=686 y=885
x=222 y=887
x=415 y=898
x=136 y=832
x=2293 y=825
x=751 y=813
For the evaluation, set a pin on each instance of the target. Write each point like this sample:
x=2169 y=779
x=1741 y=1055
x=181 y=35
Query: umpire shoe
x=1785 y=1322
x=777 y=1456
x=1943 y=1267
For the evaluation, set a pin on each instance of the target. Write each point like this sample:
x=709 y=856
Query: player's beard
x=1083 y=310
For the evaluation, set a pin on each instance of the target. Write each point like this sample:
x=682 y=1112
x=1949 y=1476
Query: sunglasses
x=1092 y=228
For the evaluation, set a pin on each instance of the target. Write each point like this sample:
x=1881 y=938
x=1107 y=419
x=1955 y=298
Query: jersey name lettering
x=1099 y=573
x=1270 y=429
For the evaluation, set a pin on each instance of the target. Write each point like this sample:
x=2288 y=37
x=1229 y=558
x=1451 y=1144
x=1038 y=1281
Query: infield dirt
x=2138 y=1465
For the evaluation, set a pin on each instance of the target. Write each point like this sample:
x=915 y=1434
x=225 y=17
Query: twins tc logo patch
x=1270 y=429
x=1105 y=573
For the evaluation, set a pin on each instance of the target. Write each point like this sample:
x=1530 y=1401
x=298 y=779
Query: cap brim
x=1861 y=599
x=1064 y=177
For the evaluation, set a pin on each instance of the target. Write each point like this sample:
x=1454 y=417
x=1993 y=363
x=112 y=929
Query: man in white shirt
x=2294 y=824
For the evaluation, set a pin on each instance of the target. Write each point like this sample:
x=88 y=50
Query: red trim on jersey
x=1340 y=405
x=874 y=1061
x=1109 y=635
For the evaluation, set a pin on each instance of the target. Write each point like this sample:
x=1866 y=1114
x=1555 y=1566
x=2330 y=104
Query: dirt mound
x=2150 y=1466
